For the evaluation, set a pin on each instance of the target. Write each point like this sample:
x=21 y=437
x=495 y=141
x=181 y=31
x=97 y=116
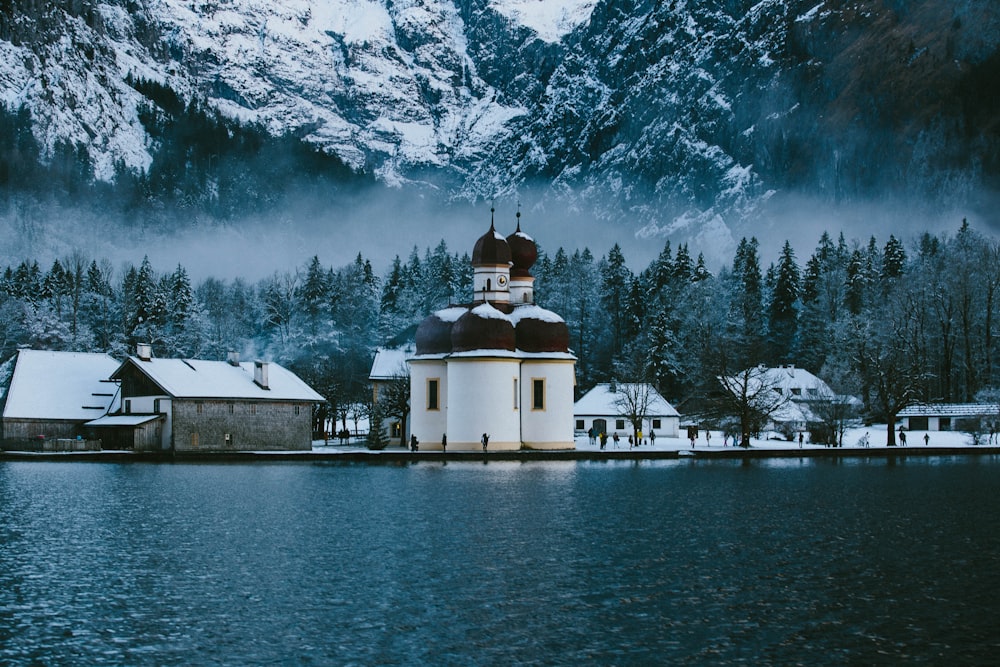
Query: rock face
x=674 y=113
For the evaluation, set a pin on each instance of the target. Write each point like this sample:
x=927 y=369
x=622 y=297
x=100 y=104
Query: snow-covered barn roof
x=197 y=378
x=123 y=420
x=950 y=410
x=601 y=401
x=390 y=363
x=67 y=386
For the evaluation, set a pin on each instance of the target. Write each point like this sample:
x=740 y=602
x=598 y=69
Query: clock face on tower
x=502 y=281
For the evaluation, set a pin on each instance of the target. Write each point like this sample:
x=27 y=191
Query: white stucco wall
x=552 y=426
x=481 y=399
x=428 y=425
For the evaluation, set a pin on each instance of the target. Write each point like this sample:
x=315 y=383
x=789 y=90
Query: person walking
x=590 y=434
x=414 y=445
x=444 y=442
x=927 y=438
x=486 y=441
x=604 y=440
x=801 y=439
x=614 y=438
x=652 y=438
x=708 y=438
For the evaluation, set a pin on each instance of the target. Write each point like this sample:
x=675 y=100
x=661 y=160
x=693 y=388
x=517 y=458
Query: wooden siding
x=251 y=425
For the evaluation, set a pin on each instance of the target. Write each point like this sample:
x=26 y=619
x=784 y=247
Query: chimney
x=260 y=374
x=144 y=351
x=233 y=358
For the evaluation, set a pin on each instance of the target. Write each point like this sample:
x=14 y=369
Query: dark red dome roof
x=539 y=330
x=523 y=252
x=434 y=333
x=491 y=248
x=483 y=328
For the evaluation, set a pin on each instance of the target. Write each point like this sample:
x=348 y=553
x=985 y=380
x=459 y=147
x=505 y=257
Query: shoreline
x=394 y=456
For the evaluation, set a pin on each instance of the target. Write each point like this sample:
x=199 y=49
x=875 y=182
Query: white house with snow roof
x=45 y=394
x=213 y=406
x=949 y=416
x=605 y=408
x=500 y=365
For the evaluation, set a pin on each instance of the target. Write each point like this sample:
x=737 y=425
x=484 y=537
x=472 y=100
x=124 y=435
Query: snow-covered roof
x=197 y=378
x=601 y=401
x=389 y=363
x=67 y=386
x=950 y=410
x=533 y=312
x=123 y=420
x=789 y=378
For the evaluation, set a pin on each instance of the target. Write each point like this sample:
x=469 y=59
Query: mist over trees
x=892 y=322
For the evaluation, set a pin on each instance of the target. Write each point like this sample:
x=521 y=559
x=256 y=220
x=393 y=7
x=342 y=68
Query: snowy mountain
x=683 y=118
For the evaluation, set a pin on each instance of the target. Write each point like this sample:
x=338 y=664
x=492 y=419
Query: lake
x=771 y=561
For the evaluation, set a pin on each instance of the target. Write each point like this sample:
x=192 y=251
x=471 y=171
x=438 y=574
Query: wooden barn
x=47 y=395
x=194 y=405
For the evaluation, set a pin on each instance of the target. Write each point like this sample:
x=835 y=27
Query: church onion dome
x=539 y=330
x=482 y=328
x=491 y=249
x=434 y=333
x=523 y=253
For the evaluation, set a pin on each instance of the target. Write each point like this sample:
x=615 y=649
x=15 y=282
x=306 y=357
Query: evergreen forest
x=893 y=322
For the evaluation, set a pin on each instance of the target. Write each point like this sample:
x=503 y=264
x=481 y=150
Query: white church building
x=500 y=365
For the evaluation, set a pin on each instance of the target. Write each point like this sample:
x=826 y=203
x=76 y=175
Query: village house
x=950 y=416
x=48 y=396
x=499 y=366
x=389 y=367
x=211 y=406
x=605 y=408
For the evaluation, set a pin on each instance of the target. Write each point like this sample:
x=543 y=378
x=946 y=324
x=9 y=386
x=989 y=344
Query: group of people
x=602 y=438
x=415 y=444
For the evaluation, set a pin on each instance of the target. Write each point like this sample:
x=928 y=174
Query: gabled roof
x=950 y=410
x=601 y=401
x=66 y=386
x=389 y=364
x=789 y=377
x=197 y=378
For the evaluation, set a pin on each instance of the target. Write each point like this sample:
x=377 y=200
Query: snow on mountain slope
x=376 y=82
x=551 y=20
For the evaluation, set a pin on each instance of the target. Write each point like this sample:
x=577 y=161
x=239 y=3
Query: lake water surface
x=812 y=561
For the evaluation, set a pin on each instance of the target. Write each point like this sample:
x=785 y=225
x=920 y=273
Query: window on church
x=433 y=394
x=619 y=424
x=516 y=397
x=538 y=394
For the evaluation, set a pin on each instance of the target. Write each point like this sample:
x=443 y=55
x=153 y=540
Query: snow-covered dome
x=523 y=251
x=434 y=333
x=483 y=328
x=491 y=249
x=539 y=330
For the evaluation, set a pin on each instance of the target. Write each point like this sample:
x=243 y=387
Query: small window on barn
x=197 y=408
x=253 y=409
x=156 y=405
x=128 y=407
x=232 y=408
x=297 y=410
x=796 y=391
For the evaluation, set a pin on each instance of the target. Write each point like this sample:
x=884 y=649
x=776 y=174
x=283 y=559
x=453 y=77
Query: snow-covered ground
x=852 y=439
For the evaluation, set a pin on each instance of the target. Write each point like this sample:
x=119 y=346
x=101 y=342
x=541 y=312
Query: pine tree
x=783 y=310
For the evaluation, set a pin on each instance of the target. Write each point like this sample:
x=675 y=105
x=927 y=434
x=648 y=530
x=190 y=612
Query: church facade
x=499 y=366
